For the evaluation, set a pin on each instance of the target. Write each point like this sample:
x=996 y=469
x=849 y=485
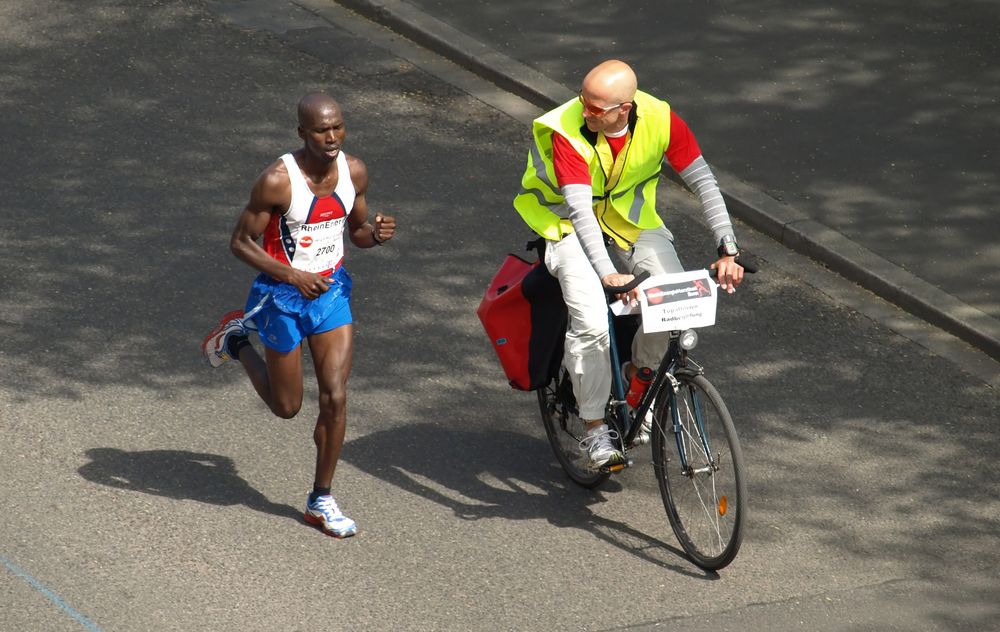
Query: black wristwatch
x=728 y=247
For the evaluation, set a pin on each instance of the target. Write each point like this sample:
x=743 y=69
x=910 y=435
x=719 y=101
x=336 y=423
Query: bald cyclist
x=292 y=232
x=590 y=190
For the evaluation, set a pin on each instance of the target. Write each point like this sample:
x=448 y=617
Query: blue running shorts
x=287 y=317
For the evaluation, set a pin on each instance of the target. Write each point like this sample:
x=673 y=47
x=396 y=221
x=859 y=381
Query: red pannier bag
x=524 y=315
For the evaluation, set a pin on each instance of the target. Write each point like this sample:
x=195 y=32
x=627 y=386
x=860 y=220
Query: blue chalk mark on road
x=51 y=596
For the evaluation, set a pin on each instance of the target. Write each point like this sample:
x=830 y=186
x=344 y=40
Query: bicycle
x=697 y=457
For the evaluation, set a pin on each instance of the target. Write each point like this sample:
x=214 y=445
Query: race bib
x=320 y=246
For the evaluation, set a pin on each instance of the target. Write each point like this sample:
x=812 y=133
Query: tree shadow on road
x=500 y=474
x=179 y=474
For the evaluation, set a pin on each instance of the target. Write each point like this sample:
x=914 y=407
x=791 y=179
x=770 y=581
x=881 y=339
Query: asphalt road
x=878 y=119
x=145 y=491
x=863 y=135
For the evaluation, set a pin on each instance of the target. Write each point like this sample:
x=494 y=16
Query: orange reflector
x=723 y=505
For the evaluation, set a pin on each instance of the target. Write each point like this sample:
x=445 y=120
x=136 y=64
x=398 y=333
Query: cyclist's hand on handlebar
x=729 y=273
x=617 y=280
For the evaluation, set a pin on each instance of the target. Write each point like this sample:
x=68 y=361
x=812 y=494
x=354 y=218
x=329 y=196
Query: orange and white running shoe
x=215 y=346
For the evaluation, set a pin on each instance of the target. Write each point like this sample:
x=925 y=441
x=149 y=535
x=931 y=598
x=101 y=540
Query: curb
x=779 y=221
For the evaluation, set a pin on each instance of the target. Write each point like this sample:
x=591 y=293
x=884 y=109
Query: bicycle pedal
x=617 y=467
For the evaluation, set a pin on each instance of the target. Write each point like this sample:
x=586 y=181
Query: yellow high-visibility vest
x=624 y=189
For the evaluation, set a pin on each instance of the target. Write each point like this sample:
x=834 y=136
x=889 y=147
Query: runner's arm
x=271 y=194
x=363 y=233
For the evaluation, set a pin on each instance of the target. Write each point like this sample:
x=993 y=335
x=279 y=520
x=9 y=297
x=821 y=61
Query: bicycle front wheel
x=699 y=468
x=565 y=429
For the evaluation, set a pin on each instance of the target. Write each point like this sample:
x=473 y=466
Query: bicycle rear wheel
x=706 y=499
x=565 y=429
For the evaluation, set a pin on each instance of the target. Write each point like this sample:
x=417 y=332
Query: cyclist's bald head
x=316 y=105
x=611 y=81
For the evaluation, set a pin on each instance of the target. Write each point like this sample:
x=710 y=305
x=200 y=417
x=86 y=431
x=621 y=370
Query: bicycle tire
x=564 y=429
x=706 y=506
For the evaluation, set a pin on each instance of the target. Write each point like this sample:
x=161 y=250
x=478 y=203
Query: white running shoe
x=325 y=514
x=599 y=444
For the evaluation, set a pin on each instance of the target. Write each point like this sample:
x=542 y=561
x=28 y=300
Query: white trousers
x=586 y=355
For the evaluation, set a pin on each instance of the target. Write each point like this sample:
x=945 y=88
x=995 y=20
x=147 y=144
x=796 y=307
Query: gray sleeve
x=581 y=214
x=700 y=179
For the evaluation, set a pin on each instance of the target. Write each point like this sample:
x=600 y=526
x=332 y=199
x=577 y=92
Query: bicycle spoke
x=697 y=454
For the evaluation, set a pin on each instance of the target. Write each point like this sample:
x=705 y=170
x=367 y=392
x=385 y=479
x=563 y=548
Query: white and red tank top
x=310 y=235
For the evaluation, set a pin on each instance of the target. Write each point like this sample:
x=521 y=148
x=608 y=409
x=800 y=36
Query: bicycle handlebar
x=748 y=261
x=628 y=287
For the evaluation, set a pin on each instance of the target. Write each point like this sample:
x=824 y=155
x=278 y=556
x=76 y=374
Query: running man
x=300 y=208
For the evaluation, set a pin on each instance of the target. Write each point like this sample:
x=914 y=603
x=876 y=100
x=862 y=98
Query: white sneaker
x=325 y=514
x=599 y=444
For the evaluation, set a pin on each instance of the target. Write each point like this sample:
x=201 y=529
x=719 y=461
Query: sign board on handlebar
x=669 y=302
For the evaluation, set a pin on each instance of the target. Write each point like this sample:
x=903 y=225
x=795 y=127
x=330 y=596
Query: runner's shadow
x=207 y=478
x=499 y=474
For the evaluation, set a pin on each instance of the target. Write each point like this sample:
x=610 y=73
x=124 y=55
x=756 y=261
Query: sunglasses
x=596 y=110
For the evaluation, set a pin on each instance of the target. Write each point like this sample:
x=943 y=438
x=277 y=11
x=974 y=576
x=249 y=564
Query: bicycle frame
x=673 y=360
